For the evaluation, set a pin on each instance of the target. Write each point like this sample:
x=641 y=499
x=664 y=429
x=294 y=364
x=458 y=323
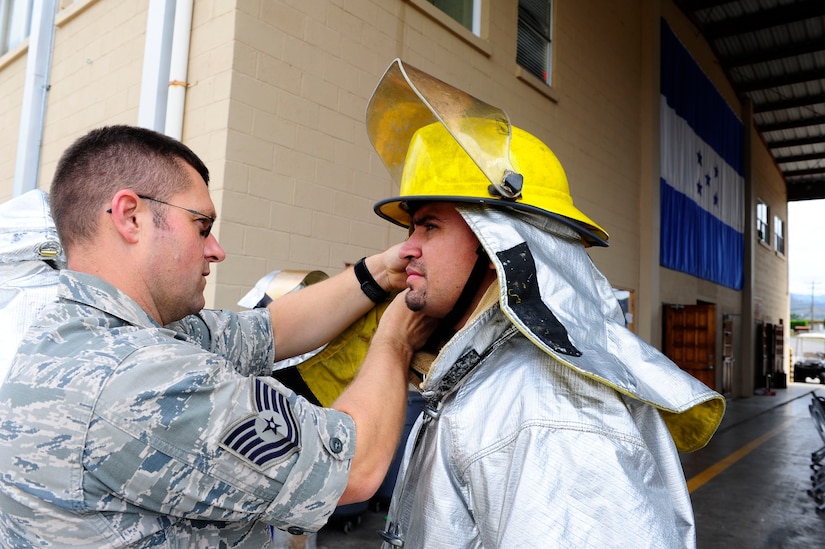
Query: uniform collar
x=95 y=292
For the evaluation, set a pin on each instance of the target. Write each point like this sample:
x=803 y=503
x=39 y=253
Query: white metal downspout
x=153 y=83
x=178 y=68
x=35 y=87
x=165 y=63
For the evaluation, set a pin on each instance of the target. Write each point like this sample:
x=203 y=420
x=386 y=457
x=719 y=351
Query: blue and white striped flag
x=702 y=186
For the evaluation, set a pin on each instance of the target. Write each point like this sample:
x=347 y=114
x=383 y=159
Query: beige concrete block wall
x=590 y=116
x=90 y=82
x=771 y=276
x=96 y=71
x=594 y=126
x=771 y=273
x=770 y=292
x=303 y=175
x=298 y=189
x=97 y=65
x=207 y=122
x=12 y=76
x=95 y=80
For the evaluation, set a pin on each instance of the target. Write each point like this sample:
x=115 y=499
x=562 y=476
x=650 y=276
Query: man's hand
x=388 y=269
x=376 y=397
x=401 y=327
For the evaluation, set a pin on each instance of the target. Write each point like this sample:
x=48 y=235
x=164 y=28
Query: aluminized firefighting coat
x=549 y=424
x=30 y=256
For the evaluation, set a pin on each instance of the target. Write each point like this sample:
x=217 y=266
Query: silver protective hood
x=27 y=232
x=30 y=256
x=555 y=295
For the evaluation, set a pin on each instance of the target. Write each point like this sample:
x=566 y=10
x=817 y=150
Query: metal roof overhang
x=773 y=53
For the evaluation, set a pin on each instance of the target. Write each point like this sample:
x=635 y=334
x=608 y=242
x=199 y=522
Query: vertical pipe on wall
x=648 y=318
x=35 y=87
x=746 y=384
x=178 y=68
x=156 y=59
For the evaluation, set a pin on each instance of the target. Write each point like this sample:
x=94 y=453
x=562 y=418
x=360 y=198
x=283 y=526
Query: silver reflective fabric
x=30 y=256
x=582 y=300
x=539 y=448
x=118 y=432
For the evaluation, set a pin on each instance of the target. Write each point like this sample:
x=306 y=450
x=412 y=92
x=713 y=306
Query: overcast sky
x=806 y=252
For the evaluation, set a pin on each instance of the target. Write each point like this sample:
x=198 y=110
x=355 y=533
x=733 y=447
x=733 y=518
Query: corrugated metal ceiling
x=773 y=52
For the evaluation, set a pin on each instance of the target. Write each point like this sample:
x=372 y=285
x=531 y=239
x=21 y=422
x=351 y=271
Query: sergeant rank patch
x=267 y=437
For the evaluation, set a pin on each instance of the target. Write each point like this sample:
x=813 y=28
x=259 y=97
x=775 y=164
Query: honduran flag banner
x=702 y=186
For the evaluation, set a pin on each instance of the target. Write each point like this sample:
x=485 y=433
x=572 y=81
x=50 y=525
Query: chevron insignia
x=268 y=437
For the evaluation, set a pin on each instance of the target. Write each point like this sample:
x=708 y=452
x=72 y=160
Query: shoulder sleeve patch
x=268 y=437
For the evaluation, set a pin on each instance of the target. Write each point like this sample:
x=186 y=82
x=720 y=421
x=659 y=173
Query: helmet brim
x=396 y=211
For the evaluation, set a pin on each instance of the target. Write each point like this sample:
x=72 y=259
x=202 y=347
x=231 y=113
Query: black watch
x=369 y=286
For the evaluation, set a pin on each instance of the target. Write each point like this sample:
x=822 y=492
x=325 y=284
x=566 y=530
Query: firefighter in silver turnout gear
x=131 y=417
x=547 y=423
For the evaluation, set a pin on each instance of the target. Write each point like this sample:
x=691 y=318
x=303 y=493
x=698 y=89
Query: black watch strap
x=369 y=286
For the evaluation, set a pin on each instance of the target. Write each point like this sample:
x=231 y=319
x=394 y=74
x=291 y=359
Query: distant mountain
x=801 y=306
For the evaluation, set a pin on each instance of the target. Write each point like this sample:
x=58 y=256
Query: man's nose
x=410 y=247
x=213 y=250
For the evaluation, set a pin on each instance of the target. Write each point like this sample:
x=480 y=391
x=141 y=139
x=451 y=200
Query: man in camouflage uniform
x=132 y=417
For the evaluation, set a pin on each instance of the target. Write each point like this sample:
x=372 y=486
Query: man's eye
x=206 y=227
x=423 y=226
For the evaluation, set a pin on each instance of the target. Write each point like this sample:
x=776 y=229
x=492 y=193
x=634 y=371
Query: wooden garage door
x=690 y=340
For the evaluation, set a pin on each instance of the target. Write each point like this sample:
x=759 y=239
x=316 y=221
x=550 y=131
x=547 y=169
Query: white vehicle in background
x=808 y=356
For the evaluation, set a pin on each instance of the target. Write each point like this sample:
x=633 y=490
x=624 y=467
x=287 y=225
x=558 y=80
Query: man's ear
x=124 y=210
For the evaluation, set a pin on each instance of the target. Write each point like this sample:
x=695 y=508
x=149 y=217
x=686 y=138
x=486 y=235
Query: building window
x=15 y=22
x=778 y=235
x=535 y=33
x=466 y=12
x=762 y=222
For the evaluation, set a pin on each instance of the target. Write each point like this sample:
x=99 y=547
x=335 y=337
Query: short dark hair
x=109 y=159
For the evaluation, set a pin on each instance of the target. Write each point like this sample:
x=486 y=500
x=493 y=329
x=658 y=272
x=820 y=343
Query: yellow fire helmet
x=440 y=144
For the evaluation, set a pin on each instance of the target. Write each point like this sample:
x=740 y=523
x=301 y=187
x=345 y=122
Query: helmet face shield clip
x=510 y=186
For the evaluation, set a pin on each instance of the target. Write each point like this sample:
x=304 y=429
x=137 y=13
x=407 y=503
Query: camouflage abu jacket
x=117 y=432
